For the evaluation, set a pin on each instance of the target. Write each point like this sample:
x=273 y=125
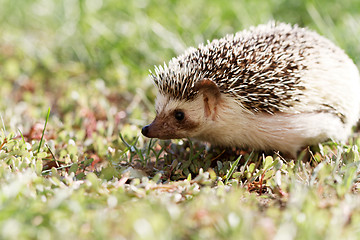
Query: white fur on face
x=194 y=110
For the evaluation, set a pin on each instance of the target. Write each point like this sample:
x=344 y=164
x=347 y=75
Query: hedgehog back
x=265 y=69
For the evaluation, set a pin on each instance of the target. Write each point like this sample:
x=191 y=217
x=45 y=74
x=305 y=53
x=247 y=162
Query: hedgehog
x=272 y=87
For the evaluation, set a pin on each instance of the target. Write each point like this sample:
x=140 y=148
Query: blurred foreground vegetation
x=91 y=175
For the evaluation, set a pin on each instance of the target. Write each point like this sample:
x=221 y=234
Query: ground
x=75 y=93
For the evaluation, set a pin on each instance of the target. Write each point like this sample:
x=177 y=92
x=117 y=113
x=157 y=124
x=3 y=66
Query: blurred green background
x=66 y=53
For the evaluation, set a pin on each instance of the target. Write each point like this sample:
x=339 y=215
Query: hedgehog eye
x=179 y=115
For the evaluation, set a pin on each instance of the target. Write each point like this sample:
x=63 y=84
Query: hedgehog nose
x=145 y=130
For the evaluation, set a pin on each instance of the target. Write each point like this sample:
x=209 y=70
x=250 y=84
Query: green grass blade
x=2 y=121
x=232 y=169
x=22 y=136
x=43 y=132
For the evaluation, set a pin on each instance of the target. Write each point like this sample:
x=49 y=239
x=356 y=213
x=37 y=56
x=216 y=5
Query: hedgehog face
x=174 y=119
x=184 y=118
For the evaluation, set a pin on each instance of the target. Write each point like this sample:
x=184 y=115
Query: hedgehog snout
x=154 y=129
x=145 y=130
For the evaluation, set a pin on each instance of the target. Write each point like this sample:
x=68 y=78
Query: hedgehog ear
x=211 y=95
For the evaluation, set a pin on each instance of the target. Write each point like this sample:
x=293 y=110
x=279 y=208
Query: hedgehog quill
x=271 y=87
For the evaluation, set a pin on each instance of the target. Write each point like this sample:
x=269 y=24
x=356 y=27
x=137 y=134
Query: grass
x=84 y=171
